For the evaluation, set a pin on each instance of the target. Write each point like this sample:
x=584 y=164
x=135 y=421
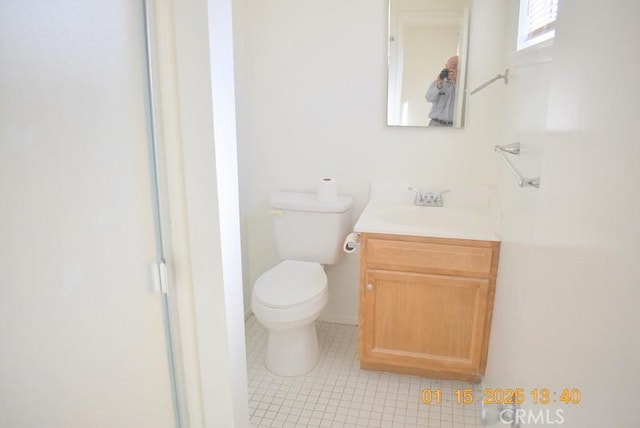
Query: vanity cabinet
x=426 y=305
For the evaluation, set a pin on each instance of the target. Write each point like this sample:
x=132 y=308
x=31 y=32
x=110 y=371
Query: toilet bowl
x=287 y=299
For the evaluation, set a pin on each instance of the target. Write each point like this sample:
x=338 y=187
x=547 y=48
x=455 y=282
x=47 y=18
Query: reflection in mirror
x=425 y=36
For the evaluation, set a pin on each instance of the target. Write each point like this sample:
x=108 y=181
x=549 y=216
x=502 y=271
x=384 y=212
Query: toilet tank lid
x=298 y=201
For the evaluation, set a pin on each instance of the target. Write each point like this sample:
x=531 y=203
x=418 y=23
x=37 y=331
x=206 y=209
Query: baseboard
x=339 y=319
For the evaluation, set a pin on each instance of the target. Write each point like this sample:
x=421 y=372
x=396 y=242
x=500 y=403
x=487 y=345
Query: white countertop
x=467 y=214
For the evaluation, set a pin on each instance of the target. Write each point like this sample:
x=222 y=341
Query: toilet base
x=292 y=352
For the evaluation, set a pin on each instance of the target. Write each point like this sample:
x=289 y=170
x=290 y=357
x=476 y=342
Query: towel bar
x=504 y=76
x=514 y=149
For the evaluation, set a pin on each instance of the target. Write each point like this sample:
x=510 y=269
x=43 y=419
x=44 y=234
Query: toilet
x=288 y=298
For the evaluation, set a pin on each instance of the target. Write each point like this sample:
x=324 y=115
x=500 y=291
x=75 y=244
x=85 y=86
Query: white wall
x=311 y=101
x=566 y=312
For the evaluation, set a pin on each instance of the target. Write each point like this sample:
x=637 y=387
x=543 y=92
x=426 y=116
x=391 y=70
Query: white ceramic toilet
x=288 y=298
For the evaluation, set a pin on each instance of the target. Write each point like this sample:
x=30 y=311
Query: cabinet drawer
x=429 y=255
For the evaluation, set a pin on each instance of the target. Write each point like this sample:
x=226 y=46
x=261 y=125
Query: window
x=537 y=22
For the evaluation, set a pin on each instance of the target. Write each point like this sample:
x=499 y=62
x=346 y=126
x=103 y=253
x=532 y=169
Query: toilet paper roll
x=351 y=242
x=327 y=190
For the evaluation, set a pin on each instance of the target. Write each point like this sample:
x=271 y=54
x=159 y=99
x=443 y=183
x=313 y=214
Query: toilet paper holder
x=353 y=245
x=351 y=242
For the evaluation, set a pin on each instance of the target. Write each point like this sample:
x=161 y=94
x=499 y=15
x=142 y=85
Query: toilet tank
x=310 y=230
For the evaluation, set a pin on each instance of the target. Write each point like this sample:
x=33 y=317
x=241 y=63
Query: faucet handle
x=439 y=199
x=443 y=192
x=418 y=193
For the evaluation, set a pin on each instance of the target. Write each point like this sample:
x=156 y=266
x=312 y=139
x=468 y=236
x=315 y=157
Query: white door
x=82 y=331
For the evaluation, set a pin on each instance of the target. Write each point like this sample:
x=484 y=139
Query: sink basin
x=431 y=217
x=465 y=222
x=468 y=213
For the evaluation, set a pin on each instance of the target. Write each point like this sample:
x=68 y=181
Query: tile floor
x=337 y=393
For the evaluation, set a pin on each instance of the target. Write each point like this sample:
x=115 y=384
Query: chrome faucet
x=428 y=199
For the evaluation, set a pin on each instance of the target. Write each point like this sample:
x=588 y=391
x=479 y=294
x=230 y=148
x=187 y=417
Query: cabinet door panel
x=420 y=320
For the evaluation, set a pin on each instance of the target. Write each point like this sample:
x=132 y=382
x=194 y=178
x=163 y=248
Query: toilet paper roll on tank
x=327 y=190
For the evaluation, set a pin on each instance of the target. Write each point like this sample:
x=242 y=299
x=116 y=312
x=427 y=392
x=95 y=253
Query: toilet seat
x=290 y=283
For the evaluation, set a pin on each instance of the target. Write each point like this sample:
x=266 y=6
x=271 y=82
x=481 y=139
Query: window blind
x=541 y=17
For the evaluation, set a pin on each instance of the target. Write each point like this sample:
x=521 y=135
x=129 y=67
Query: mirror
x=424 y=35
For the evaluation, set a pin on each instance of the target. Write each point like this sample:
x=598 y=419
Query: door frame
x=193 y=53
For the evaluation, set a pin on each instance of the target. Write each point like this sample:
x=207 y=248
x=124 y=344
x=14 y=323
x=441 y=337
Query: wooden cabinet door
x=427 y=324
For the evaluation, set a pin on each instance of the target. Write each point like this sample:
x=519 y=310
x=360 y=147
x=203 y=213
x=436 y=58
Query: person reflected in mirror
x=442 y=94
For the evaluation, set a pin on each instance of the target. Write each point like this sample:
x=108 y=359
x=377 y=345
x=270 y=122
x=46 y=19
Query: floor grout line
x=337 y=393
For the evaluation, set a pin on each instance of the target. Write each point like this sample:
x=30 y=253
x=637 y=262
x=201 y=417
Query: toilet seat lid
x=290 y=283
